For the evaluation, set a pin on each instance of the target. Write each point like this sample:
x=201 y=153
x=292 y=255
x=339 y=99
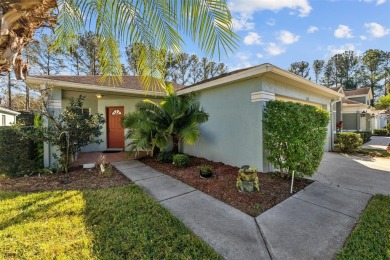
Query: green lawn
x=382 y=152
x=116 y=223
x=371 y=237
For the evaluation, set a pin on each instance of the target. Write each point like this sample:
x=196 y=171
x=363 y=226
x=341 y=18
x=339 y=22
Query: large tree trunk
x=18 y=21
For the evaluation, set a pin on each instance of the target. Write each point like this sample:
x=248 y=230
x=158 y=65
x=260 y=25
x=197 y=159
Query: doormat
x=112 y=151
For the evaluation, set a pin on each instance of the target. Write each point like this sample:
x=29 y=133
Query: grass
x=371 y=237
x=371 y=151
x=115 y=223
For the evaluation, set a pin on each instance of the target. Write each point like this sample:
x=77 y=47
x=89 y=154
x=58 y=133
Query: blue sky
x=284 y=31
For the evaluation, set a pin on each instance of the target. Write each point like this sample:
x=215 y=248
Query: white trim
x=71 y=85
x=55 y=104
x=9 y=111
x=260 y=71
x=262 y=96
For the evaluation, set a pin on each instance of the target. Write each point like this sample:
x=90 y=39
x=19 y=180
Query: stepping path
x=312 y=224
x=232 y=233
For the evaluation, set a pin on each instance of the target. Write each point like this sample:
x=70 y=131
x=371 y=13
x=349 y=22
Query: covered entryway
x=115 y=130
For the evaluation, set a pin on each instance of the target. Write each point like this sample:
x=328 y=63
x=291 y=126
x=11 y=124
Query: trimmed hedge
x=165 y=157
x=349 y=142
x=380 y=131
x=17 y=152
x=365 y=135
x=294 y=135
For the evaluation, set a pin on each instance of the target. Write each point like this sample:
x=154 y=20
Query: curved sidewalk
x=312 y=224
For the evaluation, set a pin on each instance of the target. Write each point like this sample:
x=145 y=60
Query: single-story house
x=7 y=116
x=357 y=113
x=234 y=101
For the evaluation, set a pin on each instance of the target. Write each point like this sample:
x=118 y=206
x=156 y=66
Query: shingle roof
x=129 y=82
x=358 y=91
x=350 y=102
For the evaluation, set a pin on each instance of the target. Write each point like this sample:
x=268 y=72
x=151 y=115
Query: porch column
x=263 y=97
x=54 y=106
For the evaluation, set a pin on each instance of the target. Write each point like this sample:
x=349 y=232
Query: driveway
x=366 y=175
x=377 y=142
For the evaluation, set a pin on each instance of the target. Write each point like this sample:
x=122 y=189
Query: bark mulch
x=76 y=179
x=273 y=188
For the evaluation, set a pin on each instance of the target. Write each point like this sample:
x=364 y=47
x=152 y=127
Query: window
x=3 y=120
x=116 y=112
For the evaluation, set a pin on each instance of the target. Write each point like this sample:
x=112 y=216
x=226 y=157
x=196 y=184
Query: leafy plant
x=349 y=142
x=294 y=136
x=181 y=160
x=165 y=157
x=205 y=170
x=16 y=158
x=71 y=130
x=380 y=131
x=175 y=119
x=365 y=135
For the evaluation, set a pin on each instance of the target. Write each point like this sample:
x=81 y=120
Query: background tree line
x=83 y=58
x=350 y=71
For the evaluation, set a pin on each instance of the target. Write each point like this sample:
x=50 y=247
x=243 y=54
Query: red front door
x=115 y=131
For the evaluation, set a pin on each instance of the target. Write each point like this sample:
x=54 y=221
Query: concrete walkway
x=312 y=224
x=377 y=143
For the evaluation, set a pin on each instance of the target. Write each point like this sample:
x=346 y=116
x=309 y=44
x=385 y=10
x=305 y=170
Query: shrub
x=181 y=160
x=388 y=128
x=380 y=131
x=349 y=142
x=294 y=136
x=17 y=157
x=366 y=136
x=165 y=157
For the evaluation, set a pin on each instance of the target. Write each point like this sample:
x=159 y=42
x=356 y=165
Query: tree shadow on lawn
x=127 y=223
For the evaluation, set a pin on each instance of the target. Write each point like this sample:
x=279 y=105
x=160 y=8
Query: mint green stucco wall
x=233 y=134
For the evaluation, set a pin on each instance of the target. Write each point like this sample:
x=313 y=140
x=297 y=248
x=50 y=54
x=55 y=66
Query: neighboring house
x=7 y=116
x=357 y=114
x=234 y=101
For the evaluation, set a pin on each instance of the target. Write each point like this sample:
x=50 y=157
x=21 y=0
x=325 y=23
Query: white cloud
x=377 y=2
x=312 y=29
x=340 y=49
x=287 y=37
x=376 y=30
x=242 y=23
x=271 y=22
x=363 y=37
x=259 y=55
x=343 y=31
x=274 y=50
x=251 y=6
x=252 y=38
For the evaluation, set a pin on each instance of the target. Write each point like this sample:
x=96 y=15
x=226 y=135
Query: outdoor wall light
x=99 y=96
x=363 y=113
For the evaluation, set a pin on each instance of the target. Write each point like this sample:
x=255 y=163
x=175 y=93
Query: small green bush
x=17 y=152
x=388 y=128
x=365 y=135
x=349 y=142
x=380 y=131
x=181 y=160
x=165 y=157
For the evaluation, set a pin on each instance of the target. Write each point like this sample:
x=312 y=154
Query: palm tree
x=175 y=119
x=158 y=24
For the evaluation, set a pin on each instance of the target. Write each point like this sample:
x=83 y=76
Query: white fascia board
x=257 y=72
x=88 y=87
x=8 y=111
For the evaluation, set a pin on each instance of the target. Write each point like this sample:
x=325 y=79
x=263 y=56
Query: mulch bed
x=76 y=179
x=273 y=188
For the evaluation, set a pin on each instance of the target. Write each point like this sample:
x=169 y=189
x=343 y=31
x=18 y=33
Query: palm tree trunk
x=175 y=144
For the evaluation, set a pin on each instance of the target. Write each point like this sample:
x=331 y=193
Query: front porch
x=111 y=157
